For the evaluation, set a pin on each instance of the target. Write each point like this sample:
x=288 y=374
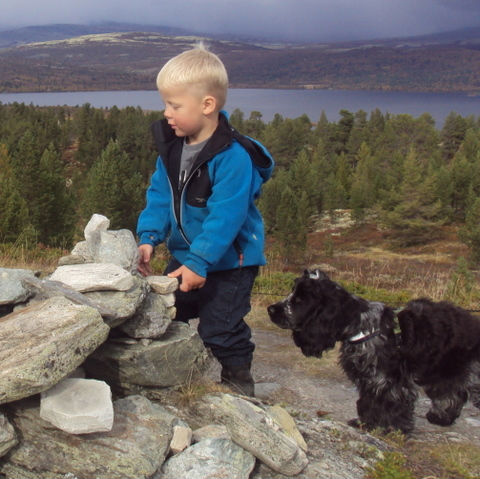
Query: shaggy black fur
x=438 y=349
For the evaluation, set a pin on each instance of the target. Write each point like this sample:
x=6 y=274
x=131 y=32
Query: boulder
x=135 y=447
x=165 y=362
x=151 y=319
x=8 y=438
x=12 y=290
x=78 y=406
x=94 y=277
x=43 y=343
x=218 y=458
x=252 y=428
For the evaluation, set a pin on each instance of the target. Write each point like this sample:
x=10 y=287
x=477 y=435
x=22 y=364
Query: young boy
x=201 y=200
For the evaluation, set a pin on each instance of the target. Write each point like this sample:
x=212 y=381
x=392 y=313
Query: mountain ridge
x=108 y=57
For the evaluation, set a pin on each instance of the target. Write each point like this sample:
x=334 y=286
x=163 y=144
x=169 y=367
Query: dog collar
x=362 y=337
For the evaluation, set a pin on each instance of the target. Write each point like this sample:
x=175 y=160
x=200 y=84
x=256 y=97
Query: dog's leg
x=391 y=408
x=447 y=403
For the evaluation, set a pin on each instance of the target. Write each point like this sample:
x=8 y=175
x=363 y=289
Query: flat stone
x=94 y=277
x=42 y=344
x=11 y=289
x=163 y=284
x=44 y=289
x=78 y=406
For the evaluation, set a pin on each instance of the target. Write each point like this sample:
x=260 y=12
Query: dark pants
x=221 y=305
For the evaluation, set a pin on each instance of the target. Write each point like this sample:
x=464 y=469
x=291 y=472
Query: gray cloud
x=292 y=19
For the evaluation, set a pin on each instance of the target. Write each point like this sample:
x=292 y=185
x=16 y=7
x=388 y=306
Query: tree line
x=58 y=165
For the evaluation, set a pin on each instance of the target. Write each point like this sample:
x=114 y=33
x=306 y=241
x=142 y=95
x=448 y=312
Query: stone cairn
x=97 y=312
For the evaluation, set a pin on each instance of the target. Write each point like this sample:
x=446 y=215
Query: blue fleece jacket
x=210 y=220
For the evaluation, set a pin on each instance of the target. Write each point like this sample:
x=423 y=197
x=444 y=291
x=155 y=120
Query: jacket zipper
x=178 y=196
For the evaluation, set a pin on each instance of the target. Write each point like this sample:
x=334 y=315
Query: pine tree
x=470 y=232
x=114 y=189
x=52 y=213
x=13 y=208
x=365 y=183
x=417 y=216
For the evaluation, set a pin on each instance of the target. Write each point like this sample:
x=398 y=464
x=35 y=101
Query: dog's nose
x=271 y=309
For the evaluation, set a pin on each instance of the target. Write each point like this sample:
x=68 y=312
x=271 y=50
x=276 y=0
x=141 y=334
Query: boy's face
x=185 y=113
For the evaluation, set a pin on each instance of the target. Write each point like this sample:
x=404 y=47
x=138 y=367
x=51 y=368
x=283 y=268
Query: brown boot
x=238 y=379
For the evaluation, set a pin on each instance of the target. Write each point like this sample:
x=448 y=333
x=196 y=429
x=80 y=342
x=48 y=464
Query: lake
x=288 y=103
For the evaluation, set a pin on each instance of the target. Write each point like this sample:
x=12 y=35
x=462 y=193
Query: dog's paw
x=440 y=419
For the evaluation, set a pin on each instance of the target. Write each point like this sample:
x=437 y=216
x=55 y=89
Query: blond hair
x=196 y=68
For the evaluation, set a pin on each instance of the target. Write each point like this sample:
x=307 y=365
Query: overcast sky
x=291 y=19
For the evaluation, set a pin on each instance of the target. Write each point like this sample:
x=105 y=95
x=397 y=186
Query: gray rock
x=135 y=447
x=82 y=249
x=44 y=289
x=96 y=225
x=252 y=428
x=71 y=259
x=118 y=306
x=94 y=277
x=162 y=284
x=210 y=458
x=8 y=438
x=11 y=289
x=182 y=438
x=287 y=424
x=169 y=361
x=43 y=343
x=78 y=406
x=151 y=320
x=117 y=247
x=210 y=431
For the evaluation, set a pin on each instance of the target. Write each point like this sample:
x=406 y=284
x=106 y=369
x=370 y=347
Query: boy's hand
x=145 y=252
x=190 y=279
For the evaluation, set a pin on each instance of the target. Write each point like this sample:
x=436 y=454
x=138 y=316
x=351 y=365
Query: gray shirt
x=189 y=155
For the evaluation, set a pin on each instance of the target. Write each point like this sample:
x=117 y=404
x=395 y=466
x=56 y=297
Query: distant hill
x=122 y=56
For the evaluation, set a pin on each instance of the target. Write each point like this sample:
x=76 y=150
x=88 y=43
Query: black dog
x=438 y=348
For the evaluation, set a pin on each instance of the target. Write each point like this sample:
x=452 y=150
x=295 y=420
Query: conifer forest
x=59 y=165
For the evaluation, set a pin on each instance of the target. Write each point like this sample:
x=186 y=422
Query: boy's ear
x=209 y=104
